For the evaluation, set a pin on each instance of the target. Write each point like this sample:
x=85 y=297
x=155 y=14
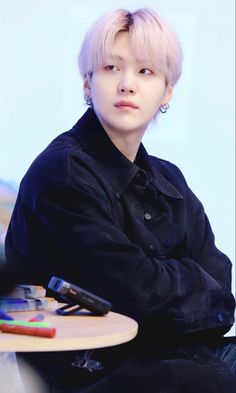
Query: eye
x=111 y=67
x=146 y=71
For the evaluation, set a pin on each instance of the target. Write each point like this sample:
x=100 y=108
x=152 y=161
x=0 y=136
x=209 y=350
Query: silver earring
x=163 y=108
x=88 y=100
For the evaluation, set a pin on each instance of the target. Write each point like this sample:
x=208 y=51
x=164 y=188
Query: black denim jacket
x=133 y=233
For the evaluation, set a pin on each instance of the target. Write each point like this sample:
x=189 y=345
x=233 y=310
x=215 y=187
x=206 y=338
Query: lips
x=125 y=104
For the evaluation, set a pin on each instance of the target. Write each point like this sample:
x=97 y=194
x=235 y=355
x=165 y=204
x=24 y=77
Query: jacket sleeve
x=72 y=234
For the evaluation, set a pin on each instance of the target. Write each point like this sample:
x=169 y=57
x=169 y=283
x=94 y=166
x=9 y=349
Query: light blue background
x=41 y=92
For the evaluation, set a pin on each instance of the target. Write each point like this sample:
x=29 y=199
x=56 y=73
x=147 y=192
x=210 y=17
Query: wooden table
x=75 y=332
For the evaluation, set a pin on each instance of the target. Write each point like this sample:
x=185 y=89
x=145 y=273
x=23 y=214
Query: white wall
x=41 y=92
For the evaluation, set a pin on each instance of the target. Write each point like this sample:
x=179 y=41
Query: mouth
x=125 y=104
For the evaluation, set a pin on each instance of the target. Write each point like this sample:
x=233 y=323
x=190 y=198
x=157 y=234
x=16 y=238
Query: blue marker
x=37 y=318
x=5 y=316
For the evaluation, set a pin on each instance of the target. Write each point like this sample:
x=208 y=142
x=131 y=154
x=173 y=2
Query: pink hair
x=152 y=39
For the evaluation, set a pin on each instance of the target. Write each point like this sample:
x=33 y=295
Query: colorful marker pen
x=37 y=318
x=5 y=316
x=24 y=323
x=29 y=331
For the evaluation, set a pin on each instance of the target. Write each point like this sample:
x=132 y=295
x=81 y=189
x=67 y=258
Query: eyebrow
x=114 y=56
x=120 y=58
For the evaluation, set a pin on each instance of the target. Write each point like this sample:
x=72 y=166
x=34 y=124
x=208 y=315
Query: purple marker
x=37 y=318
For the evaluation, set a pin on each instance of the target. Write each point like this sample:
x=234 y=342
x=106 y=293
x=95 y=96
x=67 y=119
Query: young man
x=95 y=209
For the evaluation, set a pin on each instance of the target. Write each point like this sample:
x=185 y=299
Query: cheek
x=154 y=91
x=157 y=100
x=153 y=105
x=100 y=100
x=154 y=100
x=98 y=91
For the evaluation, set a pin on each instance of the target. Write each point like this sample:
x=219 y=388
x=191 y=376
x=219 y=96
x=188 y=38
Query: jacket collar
x=115 y=166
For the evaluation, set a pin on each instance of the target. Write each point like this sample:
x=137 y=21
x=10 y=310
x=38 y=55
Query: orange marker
x=28 y=330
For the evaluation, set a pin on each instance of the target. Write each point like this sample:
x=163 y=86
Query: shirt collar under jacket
x=115 y=166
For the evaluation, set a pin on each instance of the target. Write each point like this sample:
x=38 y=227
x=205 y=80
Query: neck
x=127 y=144
x=126 y=141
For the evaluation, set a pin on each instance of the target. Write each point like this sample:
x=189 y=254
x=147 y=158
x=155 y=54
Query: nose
x=126 y=90
x=127 y=85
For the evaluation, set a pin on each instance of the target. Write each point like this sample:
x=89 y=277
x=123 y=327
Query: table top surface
x=74 y=332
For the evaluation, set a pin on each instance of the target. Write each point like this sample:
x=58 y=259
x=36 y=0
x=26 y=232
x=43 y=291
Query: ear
x=167 y=95
x=86 y=86
x=86 y=83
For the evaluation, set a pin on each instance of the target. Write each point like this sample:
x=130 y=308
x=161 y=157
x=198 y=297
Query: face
x=126 y=93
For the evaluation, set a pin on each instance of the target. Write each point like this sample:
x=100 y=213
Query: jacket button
x=147 y=216
x=151 y=247
x=196 y=324
x=220 y=317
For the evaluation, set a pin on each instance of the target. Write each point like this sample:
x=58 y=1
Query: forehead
x=125 y=48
